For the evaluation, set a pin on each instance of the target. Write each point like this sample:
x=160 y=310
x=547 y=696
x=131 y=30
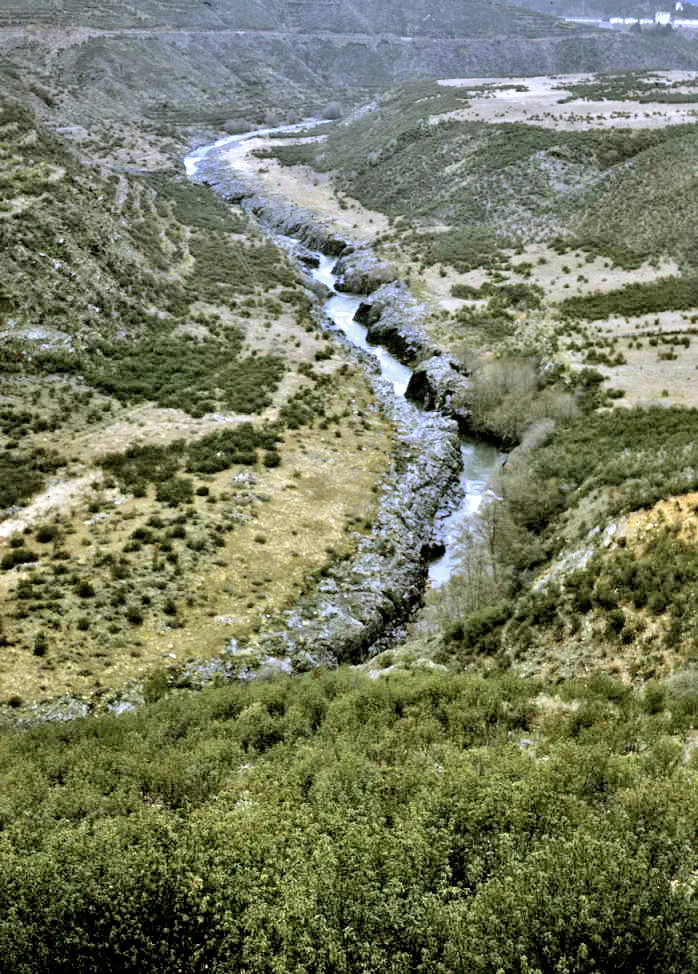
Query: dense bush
x=238 y=444
x=664 y=294
x=22 y=474
x=175 y=491
x=197 y=206
x=335 y=823
x=140 y=465
x=144 y=464
x=185 y=373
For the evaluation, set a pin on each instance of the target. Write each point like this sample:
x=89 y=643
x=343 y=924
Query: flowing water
x=480 y=460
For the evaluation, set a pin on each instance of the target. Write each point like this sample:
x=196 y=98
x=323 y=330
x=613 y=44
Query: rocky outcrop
x=358 y=601
x=307 y=257
x=394 y=319
x=361 y=272
x=276 y=215
x=378 y=589
x=438 y=383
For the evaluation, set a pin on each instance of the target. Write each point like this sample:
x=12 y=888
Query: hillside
x=204 y=490
x=225 y=66
x=571 y=165
x=592 y=8
x=154 y=347
x=444 y=18
x=556 y=255
x=413 y=824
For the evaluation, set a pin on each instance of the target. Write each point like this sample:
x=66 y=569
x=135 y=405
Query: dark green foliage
x=665 y=294
x=238 y=444
x=41 y=644
x=221 y=268
x=144 y=464
x=334 y=823
x=140 y=465
x=134 y=615
x=303 y=408
x=467 y=292
x=23 y=474
x=187 y=374
x=175 y=491
x=481 y=630
x=197 y=206
x=646 y=453
x=18 y=556
x=47 y=533
x=521 y=297
x=463 y=249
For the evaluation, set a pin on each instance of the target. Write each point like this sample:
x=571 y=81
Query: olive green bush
x=415 y=823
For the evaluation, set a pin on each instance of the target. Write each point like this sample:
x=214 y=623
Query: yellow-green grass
x=292 y=521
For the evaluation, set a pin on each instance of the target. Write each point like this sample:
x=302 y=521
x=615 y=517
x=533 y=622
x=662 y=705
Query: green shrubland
x=626 y=193
x=611 y=464
x=664 y=294
x=415 y=823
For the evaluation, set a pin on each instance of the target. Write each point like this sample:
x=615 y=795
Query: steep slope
x=420 y=18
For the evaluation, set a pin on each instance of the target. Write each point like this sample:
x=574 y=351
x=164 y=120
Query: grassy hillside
x=414 y=160
x=558 y=262
x=165 y=404
x=183 y=455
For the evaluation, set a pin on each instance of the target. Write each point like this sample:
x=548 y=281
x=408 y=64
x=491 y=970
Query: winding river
x=479 y=460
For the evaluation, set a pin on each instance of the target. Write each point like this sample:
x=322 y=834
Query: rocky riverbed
x=360 y=605
x=361 y=601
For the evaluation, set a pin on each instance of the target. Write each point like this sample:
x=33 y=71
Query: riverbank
x=358 y=606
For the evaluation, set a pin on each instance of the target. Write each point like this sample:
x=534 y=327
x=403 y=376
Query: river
x=480 y=460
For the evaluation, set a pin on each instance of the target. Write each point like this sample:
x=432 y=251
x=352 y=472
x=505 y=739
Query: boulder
x=305 y=256
x=439 y=383
x=361 y=272
x=394 y=319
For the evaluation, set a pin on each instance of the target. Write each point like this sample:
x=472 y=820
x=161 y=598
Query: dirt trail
x=59 y=497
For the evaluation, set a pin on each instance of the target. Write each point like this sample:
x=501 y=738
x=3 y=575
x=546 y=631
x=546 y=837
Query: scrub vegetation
x=414 y=823
x=166 y=399
x=184 y=455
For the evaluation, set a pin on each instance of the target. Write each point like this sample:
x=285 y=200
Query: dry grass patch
x=305 y=188
x=544 y=101
x=128 y=583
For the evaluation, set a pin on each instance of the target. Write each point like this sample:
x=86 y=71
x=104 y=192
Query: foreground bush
x=330 y=823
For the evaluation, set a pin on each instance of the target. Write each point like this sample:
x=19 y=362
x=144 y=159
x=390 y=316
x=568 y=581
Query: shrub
x=18 y=556
x=41 y=644
x=175 y=491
